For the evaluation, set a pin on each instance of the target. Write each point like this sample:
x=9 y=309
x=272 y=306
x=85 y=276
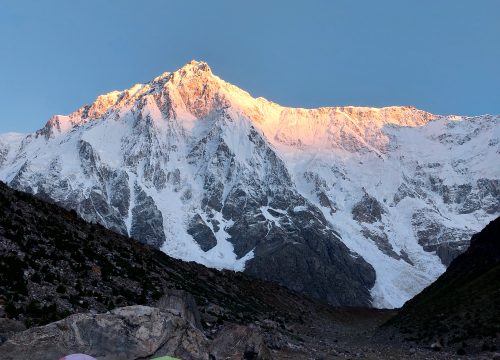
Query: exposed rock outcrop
x=147 y=220
x=367 y=210
x=433 y=235
x=201 y=233
x=184 y=303
x=306 y=256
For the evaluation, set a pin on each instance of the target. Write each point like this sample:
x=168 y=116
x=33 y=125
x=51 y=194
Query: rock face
x=184 y=303
x=135 y=332
x=132 y=332
x=147 y=220
x=447 y=242
x=367 y=210
x=346 y=204
x=307 y=257
x=201 y=233
x=8 y=327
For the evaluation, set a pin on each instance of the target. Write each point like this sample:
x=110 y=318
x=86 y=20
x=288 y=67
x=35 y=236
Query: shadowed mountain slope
x=464 y=303
x=54 y=264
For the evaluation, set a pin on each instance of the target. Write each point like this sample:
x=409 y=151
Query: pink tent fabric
x=77 y=357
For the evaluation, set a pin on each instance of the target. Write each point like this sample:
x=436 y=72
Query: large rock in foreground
x=239 y=342
x=132 y=332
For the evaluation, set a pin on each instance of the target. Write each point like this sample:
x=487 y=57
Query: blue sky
x=439 y=55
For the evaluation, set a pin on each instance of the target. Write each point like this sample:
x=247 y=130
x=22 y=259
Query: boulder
x=9 y=327
x=184 y=303
x=132 y=332
x=239 y=342
x=436 y=346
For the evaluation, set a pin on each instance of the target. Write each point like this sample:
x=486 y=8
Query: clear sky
x=439 y=55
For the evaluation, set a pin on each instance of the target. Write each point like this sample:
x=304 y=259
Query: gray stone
x=120 y=192
x=307 y=257
x=201 y=233
x=133 y=332
x=433 y=235
x=489 y=191
x=403 y=191
x=367 y=210
x=4 y=151
x=325 y=202
x=147 y=220
x=448 y=251
x=95 y=206
x=239 y=342
x=184 y=303
x=89 y=161
x=382 y=241
x=436 y=346
x=8 y=327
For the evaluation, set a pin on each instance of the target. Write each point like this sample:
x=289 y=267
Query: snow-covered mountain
x=352 y=205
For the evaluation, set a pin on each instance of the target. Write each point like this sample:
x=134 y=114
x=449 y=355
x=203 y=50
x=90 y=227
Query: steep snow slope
x=431 y=182
x=424 y=192
x=350 y=205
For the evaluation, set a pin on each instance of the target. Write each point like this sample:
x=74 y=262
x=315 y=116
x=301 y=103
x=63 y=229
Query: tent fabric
x=87 y=357
x=77 y=357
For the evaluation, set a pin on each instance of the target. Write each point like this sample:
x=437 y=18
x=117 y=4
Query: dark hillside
x=464 y=303
x=52 y=263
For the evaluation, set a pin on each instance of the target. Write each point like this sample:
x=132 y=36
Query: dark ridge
x=463 y=304
x=53 y=264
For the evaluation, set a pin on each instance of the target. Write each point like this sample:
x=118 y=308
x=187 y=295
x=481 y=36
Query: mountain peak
x=194 y=68
x=190 y=69
x=194 y=91
x=198 y=65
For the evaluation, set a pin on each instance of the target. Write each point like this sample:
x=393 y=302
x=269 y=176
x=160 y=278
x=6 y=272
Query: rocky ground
x=358 y=334
x=69 y=283
x=139 y=332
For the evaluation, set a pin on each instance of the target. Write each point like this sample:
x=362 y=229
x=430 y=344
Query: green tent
x=165 y=358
